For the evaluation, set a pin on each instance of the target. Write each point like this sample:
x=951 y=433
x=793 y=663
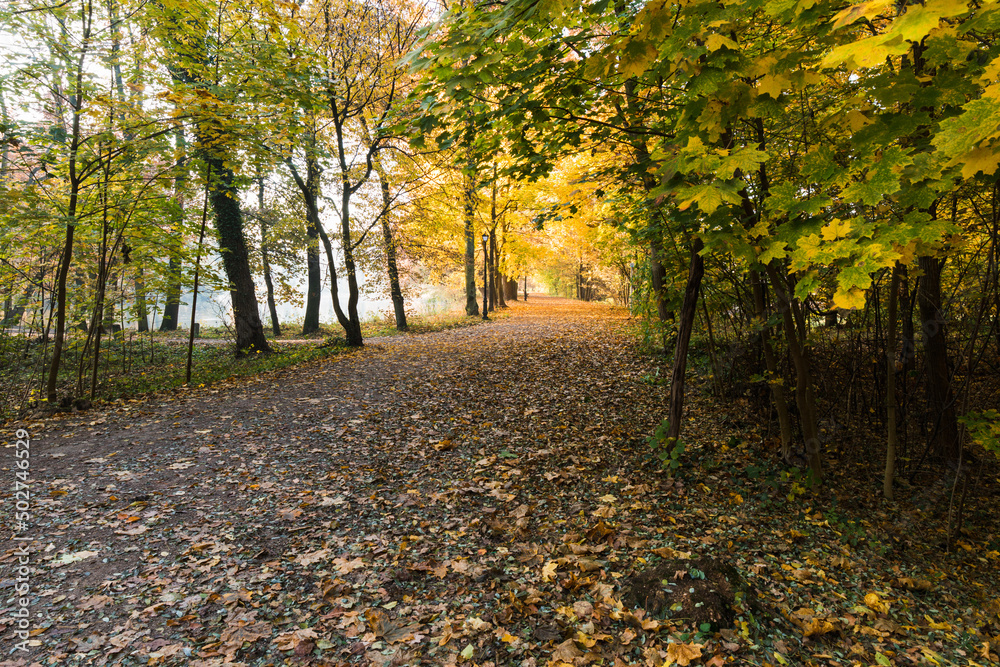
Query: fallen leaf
x=566 y=651
x=299 y=641
x=682 y=654
x=66 y=559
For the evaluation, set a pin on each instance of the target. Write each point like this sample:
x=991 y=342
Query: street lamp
x=486 y=238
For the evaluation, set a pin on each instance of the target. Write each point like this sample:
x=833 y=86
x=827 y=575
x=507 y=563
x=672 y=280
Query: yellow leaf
x=682 y=654
x=695 y=144
x=772 y=84
x=979 y=159
x=817 y=626
x=991 y=72
x=762 y=65
x=549 y=570
x=875 y=603
x=867 y=10
x=915 y=584
x=636 y=57
x=836 y=229
x=716 y=41
x=508 y=638
x=907 y=252
x=868 y=52
x=934 y=625
x=850 y=300
x=856 y=120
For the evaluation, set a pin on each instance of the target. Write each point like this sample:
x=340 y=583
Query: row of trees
x=786 y=160
x=762 y=166
x=135 y=135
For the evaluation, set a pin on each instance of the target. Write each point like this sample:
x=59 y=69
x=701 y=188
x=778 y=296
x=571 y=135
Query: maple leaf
x=875 y=603
x=241 y=630
x=682 y=654
x=566 y=651
x=980 y=159
x=404 y=633
x=308 y=559
x=915 y=584
x=817 y=626
x=772 y=85
x=344 y=566
x=444 y=445
x=378 y=621
x=299 y=641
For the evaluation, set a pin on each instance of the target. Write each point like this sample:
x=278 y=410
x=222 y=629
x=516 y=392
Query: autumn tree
x=200 y=55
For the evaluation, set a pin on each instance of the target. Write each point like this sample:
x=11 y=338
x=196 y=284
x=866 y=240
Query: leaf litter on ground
x=482 y=496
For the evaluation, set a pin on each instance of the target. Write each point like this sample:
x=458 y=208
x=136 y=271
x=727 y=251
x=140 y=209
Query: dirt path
x=395 y=504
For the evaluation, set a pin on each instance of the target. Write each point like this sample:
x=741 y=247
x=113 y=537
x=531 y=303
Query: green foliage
x=668 y=450
x=984 y=429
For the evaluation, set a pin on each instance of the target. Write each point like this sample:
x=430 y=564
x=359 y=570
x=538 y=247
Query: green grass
x=130 y=369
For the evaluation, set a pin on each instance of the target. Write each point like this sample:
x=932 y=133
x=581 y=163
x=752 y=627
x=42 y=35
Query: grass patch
x=131 y=367
x=166 y=368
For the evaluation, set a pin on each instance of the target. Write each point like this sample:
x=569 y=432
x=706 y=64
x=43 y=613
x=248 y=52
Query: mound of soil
x=697 y=591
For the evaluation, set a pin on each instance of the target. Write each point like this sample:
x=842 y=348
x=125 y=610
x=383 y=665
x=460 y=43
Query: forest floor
x=481 y=496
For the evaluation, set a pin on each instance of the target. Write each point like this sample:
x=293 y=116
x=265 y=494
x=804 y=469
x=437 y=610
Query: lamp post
x=486 y=238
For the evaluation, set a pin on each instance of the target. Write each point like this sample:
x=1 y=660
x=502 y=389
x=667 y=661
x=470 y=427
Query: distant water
x=214 y=309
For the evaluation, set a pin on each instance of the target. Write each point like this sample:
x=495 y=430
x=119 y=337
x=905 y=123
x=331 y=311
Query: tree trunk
x=172 y=303
x=353 y=328
x=501 y=286
x=268 y=283
x=309 y=187
x=265 y=260
x=311 y=192
x=491 y=278
x=468 y=211
x=501 y=290
x=492 y=271
x=332 y=265
x=57 y=344
x=658 y=279
x=890 y=383
x=314 y=283
x=771 y=362
x=940 y=399
x=688 y=310
x=392 y=268
x=395 y=291
x=511 y=286
x=212 y=138
x=140 y=301
x=75 y=182
x=804 y=396
x=235 y=260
